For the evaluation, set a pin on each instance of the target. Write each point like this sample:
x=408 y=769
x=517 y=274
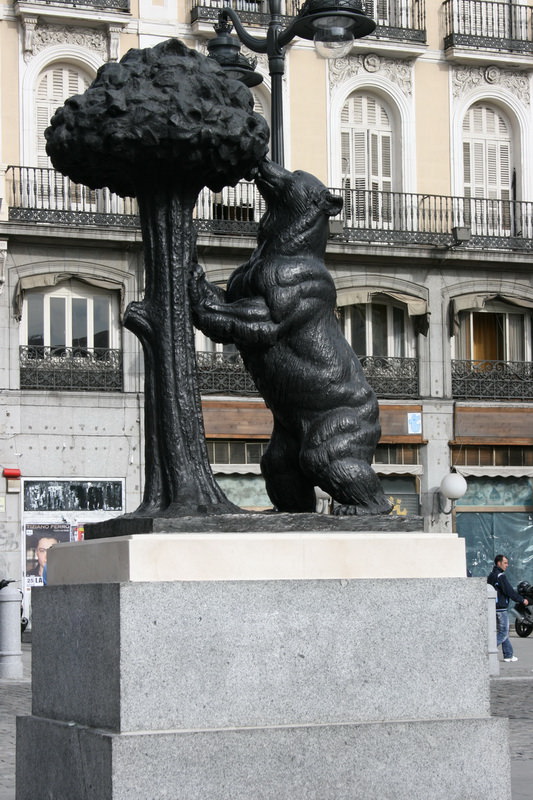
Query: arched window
x=487 y=169
x=55 y=84
x=70 y=337
x=367 y=156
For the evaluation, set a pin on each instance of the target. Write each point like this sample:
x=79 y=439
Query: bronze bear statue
x=279 y=310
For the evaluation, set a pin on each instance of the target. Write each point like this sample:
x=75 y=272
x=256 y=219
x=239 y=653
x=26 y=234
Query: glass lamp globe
x=453 y=486
x=332 y=41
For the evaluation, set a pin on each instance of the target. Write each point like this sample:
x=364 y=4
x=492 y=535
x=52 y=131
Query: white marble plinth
x=257 y=556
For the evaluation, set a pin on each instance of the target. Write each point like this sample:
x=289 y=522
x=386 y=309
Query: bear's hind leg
x=286 y=484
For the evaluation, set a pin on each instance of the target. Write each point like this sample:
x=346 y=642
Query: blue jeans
x=502 y=633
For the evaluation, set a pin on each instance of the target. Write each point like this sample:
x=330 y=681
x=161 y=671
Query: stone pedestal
x=306 y=686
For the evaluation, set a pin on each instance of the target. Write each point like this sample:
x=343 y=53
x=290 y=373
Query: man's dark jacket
x=503 y=587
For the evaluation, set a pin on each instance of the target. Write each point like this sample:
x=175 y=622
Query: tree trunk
x=178 y=478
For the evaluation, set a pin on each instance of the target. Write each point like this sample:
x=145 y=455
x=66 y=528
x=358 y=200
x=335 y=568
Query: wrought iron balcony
x=429 y=219
x=101 y=5
x=225 y=373
x=251 y=12
x=488 y=25
x=402 y=20
x=392 y=377
x=399 y=20
x=70 y=369
x=41 y=195
x=36 y=194
x=492 y=380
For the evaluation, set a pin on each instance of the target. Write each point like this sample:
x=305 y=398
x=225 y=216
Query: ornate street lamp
x=331 y=24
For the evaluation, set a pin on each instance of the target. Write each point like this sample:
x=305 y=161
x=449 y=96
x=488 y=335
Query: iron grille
x=43 y=195
x=70 y=369
x=492 y=380
x=223 y=373
x=488 y=25
x=114 y=5
x=391 y=377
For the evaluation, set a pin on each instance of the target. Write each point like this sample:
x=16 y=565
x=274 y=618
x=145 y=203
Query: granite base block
x=461 y=759
x=189 y=655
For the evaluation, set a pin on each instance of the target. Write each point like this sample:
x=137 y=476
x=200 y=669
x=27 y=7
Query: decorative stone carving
x=396 y=71
x=3 y=259
x=47 y=35
x=371 y=62
x=28 y=26
x=464 y=79
x=113 y=33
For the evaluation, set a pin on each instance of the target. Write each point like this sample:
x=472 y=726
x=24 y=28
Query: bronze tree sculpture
x=160 y=125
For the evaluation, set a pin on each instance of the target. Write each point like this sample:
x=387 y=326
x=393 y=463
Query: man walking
x=505 y=592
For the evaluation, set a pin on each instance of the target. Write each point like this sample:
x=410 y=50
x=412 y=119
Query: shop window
x=235 y=451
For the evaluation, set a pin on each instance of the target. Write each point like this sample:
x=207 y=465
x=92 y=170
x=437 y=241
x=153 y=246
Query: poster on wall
x=38 y=539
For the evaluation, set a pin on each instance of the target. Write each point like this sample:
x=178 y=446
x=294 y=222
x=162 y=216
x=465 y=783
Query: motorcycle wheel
x=523 y=629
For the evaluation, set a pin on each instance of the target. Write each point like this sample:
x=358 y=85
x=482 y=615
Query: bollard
x=10 y=649
x=494 y=664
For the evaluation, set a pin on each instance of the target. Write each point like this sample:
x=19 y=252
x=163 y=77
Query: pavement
x=511 y=696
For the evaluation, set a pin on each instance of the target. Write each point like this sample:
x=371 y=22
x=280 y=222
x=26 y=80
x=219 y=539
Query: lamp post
x=331 y=24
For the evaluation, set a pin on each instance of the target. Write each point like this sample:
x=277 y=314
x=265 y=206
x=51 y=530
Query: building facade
x=425 y=129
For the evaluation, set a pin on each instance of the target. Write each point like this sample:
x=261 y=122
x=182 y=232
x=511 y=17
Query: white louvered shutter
x=366 y=152
x=487 y=170
x=55 y=85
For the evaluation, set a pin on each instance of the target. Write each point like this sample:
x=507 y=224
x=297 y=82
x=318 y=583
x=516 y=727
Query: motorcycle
x=23 y=620
x=524 y=622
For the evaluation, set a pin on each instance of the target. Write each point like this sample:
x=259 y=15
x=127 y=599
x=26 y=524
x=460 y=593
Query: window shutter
x=55 y=85
x=487 y=168
x=366 y=153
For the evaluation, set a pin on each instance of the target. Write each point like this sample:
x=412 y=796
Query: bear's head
x=298 y=209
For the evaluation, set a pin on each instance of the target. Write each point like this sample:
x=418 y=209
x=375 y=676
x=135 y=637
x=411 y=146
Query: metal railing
x=490 y=25
x=392 y=377
x=251 y=12
x=38 y=194
x=492 y=380
x=396 y=19
x=430 y=219
x=70 y=369
x=35 y=194
x=225 y=373
x=113 y=5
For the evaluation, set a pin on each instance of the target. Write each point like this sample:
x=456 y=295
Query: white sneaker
x=513 y=658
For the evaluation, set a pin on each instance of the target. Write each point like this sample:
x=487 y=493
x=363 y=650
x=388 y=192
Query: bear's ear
x=331 y=203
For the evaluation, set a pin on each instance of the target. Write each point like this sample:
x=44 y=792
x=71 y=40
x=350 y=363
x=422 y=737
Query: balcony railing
x=70 y=369
x=429 y=219
x=392 y=377
x=492 y=380
x=36 y=194
x=101 y=5
x=504 y=26
x=251 y=12
x=402 y=20
x=44 y=196
x=225 y=373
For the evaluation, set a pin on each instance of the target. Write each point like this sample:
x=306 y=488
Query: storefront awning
x=495 y=472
